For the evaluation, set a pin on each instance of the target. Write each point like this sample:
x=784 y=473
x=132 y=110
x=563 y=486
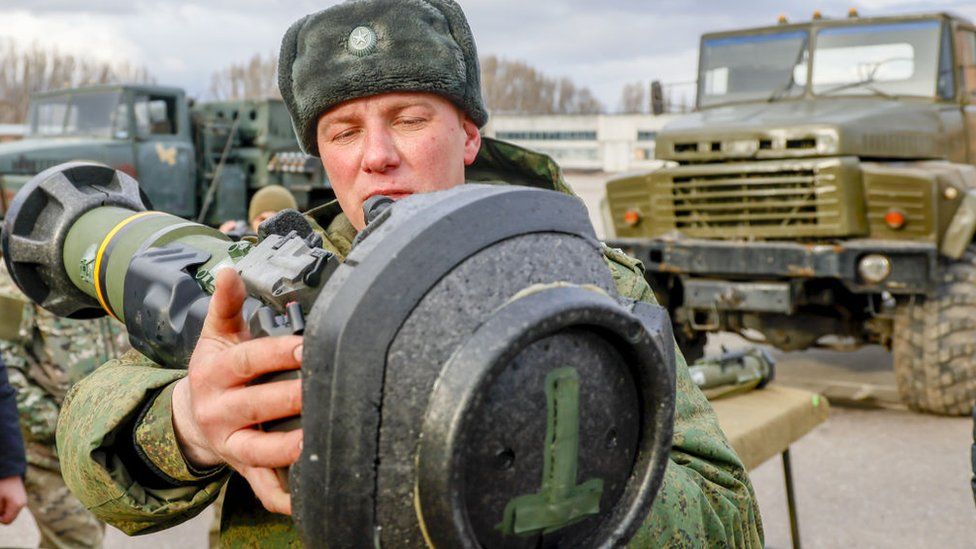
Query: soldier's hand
x=216 y=413
x=227 y=226
x=13 y=498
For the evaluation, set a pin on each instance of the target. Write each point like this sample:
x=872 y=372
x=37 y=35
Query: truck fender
x=961 y=229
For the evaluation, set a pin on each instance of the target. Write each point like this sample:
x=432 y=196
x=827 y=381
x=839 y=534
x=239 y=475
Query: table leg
x=790 y=499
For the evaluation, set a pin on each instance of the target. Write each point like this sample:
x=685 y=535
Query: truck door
x=966 y=61
x=164 y=153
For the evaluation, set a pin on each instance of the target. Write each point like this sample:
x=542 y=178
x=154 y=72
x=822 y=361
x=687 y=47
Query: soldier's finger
x=254 y=448
x=268 y=489
x=245 y=361
x=8 y=511
x=224 y=315
x=263 y=402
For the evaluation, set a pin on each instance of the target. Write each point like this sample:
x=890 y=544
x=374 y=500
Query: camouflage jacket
x=706 y=499
x=45 y=356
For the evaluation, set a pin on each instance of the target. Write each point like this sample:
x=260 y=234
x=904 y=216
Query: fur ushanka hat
x=367 y=47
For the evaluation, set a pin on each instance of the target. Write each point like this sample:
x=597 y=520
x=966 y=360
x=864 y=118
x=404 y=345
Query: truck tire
x=934 y=342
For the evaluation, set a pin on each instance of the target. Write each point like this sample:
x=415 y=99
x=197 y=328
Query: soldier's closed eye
x=409 y=122
x=345 y=135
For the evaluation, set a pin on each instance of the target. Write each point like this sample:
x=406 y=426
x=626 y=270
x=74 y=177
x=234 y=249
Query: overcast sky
x=602 y=44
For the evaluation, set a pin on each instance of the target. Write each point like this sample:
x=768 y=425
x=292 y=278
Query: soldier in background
x=12 y=462
x=45 y=356
x=264 y=204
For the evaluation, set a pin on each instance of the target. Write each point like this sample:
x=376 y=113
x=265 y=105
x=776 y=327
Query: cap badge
x=362 y=40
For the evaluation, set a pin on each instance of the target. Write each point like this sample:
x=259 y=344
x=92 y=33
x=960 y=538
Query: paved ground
x=874 y=475
x=189 y=535
x=875 y=478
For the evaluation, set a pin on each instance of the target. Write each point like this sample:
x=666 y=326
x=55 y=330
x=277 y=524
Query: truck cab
x=141 y=130
x=200 y=161
x=822 y=194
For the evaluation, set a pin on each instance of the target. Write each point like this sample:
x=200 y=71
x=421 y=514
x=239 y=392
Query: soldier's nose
x=380 y=154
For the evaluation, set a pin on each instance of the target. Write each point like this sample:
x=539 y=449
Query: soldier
x=12 y=462
x=46 y=355
x=387 y=93
x=267 y=202
x=264 y=204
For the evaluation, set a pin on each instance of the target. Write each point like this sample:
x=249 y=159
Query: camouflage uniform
x=45 y=356
x=706 y=499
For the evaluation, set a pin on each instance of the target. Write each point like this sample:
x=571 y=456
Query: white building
x=609 y=143
x=591 y=149
x=11 y=132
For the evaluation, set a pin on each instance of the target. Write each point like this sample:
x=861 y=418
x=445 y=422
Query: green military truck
x=201 y=161
x=823 y=194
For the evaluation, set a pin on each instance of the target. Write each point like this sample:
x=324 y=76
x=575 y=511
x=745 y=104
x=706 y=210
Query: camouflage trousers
x=213 y=535
x=62 y=519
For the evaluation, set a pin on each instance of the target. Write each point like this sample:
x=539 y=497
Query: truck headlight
x=827 y=141
x=874 y=268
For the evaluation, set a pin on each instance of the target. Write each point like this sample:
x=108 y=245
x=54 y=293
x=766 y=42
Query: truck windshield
x=97 y=114
x=751 y=67
x=882 y=59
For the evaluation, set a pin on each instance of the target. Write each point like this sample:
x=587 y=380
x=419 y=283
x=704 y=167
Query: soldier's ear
x=472 y=140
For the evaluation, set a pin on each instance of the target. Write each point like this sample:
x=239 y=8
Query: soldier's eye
x=345 y=135
x=410 y=122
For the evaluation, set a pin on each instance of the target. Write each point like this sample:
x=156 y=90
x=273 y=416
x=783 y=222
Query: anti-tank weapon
x=470 y=378
x=733 y=372
x=161 y=266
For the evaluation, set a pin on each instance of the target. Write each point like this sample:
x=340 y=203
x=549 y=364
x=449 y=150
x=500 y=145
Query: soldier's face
x=394 y=144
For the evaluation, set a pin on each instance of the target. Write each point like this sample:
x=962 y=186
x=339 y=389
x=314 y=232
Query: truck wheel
x=934 y=345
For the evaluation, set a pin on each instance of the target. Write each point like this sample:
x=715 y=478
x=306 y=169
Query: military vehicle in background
x=200 y=161
x=823 y=194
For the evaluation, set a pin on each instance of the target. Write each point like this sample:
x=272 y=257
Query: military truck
x=823 y=194
x=201 y=161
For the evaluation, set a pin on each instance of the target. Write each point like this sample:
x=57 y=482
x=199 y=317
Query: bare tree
x=254 y=79
x=633 y=98
x=679 y=96
x=24 y=71
x=518 y=88
x=586 y=103
x=567 y=96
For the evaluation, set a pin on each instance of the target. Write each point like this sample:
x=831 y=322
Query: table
x=762 y=423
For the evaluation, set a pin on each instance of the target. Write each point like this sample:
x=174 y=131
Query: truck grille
x=759 y=200
x=787 y=198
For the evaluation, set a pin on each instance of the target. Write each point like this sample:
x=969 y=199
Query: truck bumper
x=914 y=265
